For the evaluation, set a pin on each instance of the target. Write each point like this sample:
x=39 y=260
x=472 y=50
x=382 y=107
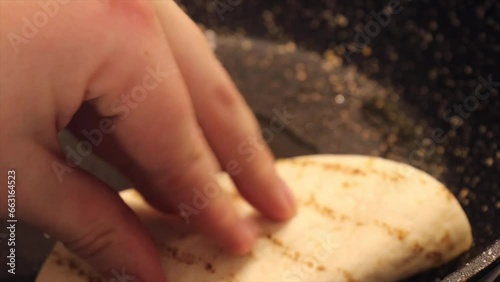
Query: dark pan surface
x=396 y=97
x=386 y=100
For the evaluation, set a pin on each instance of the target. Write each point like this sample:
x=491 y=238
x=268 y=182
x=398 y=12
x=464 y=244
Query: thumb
x=87 y=216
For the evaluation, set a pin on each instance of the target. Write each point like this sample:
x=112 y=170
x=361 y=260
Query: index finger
x=229 y=126
x=155 y=126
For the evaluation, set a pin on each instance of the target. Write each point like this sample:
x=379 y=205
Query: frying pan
x=350 y=81
x=404 y=87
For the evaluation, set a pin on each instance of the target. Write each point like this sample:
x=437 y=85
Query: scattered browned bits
x=392 y=138
x=463 y=196
x=342 y=20
x=246 y=45
x=287 y=48
x=366 y=51
x=350 y=105
x=300 y=72
x=464 y=193
x=489 y=162
x=331 y=61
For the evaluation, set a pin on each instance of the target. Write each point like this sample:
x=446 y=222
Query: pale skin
x=71 y=74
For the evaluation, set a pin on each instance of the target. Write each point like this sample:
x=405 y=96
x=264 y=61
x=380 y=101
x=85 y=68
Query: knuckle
x=93 y=243
x=184 y=171
x=229 y=112
x=225 y=94
x=142 y=11
x=262 y=168
x=223 y=220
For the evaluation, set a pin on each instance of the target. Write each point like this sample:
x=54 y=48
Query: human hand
x=138 y=77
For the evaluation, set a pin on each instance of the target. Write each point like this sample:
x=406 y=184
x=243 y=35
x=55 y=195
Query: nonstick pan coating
x=408 y=94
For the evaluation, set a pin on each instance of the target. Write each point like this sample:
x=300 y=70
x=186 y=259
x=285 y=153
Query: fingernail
x=247 y=233
x=289 y=200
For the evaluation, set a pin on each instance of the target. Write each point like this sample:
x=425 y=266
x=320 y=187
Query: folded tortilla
x=360 y=219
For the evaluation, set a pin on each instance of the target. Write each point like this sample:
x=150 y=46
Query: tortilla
x=360 y=219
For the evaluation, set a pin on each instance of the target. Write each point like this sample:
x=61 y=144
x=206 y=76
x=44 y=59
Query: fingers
x=173 y=166
x=88 y=217
x=226 y=120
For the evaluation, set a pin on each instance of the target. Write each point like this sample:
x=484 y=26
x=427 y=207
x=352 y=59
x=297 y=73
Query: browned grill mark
x=321 y=268
x=399 y=233
x=359 y=223
x=357 y=171
x=447 y=241
x=182 y=257
x=188 y=258
x=325 y=211
x=172 y=252
x=348 y=275
x=328 y=166
x=286 y=251
x=73 y=266
x=296 y=256
x=395 y=177
x=416 y=248
x=346 y=185
x=275 y=241
x=434 y=256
